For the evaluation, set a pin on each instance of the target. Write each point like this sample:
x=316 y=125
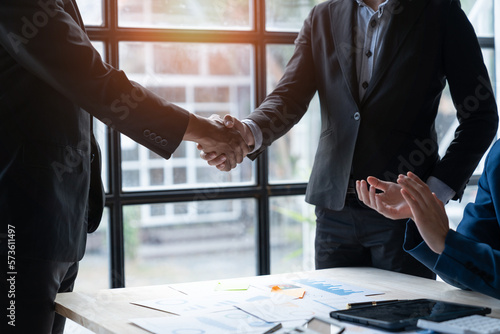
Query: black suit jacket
x=51 y=81
x=391 y=130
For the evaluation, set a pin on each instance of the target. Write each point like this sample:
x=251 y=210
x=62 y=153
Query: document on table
x=233 y=321
x=213 y=301
x=262 y=305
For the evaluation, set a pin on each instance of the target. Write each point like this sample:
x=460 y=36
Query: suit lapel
x=342 y=15
x=405 y=14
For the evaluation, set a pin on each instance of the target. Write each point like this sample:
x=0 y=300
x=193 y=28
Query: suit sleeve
x=45 y=39
x=471 y=258
x=285 y=106
x=473 y=98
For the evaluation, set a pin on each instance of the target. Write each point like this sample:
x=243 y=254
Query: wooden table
x=109 y=311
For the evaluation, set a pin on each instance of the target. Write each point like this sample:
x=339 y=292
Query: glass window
x=291 y=157
x=93 y=272
x=292 y=230
x=192 y=241
x=203 y=78
x=480 y=13
x=186 y=14
x=287 y=15
x=91 y=11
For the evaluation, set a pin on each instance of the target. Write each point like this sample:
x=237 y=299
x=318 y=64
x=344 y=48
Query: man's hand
x=428 y=211
x=213 y=136
x=230 y=122
x=389 y=202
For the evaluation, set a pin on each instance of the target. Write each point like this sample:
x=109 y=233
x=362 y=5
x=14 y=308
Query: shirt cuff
x=441 y=189
x=256 y=132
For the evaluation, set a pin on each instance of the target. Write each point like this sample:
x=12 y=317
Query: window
x=177 y=220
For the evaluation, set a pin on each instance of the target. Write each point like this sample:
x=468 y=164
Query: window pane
x=101 y=132
x=291 y=157
x=480 y=13
x=446 y=122
x=91 y=11
x=186 y=14
x=202 y=78
x=293 y=228
x=287 y=15
x=189 y=241
x=93 y=273
x=455 y=209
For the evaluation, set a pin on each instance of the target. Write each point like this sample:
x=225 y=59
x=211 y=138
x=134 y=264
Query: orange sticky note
x=294 y=292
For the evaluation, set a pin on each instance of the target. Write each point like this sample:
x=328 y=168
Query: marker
x=372 y=303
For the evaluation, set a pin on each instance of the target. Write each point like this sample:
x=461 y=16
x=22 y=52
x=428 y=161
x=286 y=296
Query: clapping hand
x=410 y=198
x=388 y=202
x=427 y=211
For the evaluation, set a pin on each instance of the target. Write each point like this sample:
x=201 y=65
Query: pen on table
x=372 y=303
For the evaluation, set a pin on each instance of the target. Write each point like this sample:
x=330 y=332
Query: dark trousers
x=28 y=295
x=358 y=236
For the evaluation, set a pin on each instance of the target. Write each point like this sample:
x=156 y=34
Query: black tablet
x=404 y=314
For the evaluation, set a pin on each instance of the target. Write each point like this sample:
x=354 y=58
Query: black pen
x=372 y=303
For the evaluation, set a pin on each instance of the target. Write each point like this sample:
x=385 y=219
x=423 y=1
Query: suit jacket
x=471 y=257
x=390 y=131
x=51 y=81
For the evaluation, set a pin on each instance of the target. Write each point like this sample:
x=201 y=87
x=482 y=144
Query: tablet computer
x=404 y=314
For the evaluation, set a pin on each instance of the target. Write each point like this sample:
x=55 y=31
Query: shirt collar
x=361 y=3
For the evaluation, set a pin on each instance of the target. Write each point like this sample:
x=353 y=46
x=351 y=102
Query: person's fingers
x=410 y=187
x=362 y=191
x=208 y=155
x=359 y=191
x=221 y=167
x=212 y=158
x=372 y=194
x=378 y=184
x=229 y=121
x=217 y=118
x=411 y=202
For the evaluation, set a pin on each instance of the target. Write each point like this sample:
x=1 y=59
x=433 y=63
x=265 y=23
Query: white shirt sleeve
x=441 y=189
x=257 y=133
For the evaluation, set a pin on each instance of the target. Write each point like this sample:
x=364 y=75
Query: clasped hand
x=222 y=161
x=213 y=136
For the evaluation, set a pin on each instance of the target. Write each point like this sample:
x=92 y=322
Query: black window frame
x=111 y=34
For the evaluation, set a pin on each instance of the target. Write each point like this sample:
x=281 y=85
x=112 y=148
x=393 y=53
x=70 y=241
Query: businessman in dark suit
x=379 y=69
x=51 y=82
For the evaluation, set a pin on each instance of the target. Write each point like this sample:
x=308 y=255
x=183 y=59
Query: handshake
x=223 y=143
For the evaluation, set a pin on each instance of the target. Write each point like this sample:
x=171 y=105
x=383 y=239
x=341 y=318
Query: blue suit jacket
x=471 y=258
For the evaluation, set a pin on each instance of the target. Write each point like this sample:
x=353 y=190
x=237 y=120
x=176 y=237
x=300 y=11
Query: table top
x=109 y=311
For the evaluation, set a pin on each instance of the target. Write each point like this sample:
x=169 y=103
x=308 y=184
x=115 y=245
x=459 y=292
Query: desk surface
x=109 y=311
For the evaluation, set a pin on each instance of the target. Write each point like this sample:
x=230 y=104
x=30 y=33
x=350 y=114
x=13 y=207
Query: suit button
x=146 y=133
x=152 y=136
x=357 y=116
x=364 y=85
x=158 y=139
x=164 y=142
